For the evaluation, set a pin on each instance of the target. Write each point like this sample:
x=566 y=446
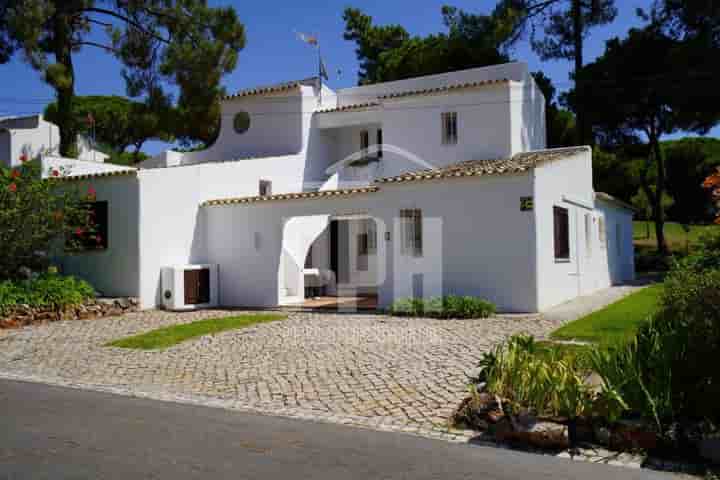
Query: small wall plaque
x=526 y=204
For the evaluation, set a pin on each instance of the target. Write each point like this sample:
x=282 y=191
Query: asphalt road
x=51 y=432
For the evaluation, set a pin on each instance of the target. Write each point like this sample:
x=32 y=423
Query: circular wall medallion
x=241 y=122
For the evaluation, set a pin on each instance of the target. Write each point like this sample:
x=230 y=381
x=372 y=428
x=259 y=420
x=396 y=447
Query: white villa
x=27 y=137
x=414 y=188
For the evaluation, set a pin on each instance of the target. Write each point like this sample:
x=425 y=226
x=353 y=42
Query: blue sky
x=274 y=54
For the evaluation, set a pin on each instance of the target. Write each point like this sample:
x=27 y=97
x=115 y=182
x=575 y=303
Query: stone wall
x=24 y=315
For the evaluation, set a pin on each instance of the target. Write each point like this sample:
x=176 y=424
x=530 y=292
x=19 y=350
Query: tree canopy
x=565 y=24
x=389 y=52
x=636 y=90
x=117 y=122
x=159 y=42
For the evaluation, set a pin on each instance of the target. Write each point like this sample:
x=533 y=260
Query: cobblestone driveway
x=370 y=370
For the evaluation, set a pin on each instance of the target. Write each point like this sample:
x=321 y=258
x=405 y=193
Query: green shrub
x=34 y=214
x=451 y=306
x=47 y=290
x=669 y=370
x=706 y=254
x=527 y=377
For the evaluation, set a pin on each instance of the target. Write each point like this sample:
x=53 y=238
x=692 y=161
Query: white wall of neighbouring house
x=527 y=110
x=30 y=136
x=477 y=241
x=113 y=271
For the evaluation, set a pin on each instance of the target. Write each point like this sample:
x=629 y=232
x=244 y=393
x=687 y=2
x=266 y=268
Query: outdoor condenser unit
x=189 y=287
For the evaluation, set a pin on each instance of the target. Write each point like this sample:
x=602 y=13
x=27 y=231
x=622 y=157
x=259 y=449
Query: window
x=366 y=243
x=96 y=237
x=364 y=143
x=265 y=188
x=241 y=122
x=602 y=234
x=411 y=230
x=379 y=143
x=449 y=128
x=588 y=234
x=561 y=228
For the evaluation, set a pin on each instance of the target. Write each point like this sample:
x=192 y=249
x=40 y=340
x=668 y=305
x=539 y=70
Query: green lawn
x=614 y=322
x=674 y=235
x=169 y=336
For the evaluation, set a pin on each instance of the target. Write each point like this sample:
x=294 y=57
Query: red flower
x=55 y=173
x=79 y=232
x=91 y=192
x=23 y=157
x=15 y=174
x=98 y=239
x=12 y=187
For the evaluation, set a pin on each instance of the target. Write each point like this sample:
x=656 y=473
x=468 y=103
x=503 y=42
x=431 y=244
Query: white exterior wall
x=32 y=136
x=527 y=110
x=567 y=183
x=415 y=125
x=72 y=167
x=619 y=254
x=171 y=220
x=115 y=270
x=516 y=71
x=474 y=244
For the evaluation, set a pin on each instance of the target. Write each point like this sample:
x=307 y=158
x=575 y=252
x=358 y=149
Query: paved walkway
x=404 y=374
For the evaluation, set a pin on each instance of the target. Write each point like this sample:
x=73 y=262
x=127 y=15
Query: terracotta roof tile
x=268 y=89
x=520 y=162
x=87 y=176
x=444 y=89
x=293 y=196
x=350 y=108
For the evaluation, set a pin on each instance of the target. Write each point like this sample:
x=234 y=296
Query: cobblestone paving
x=405 y=374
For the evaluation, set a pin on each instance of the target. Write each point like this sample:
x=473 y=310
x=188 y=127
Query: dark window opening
x=561 y=227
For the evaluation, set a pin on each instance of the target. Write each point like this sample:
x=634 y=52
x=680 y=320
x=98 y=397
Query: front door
x=197 y=286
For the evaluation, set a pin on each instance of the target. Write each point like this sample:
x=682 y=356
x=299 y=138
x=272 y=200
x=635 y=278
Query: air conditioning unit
x=189 y=287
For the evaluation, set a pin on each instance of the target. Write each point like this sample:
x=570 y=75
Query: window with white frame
x=588 y=234
x=602 y=234
x=411 y=231
x=265 y=188
x=449 y=128
x=561 y=234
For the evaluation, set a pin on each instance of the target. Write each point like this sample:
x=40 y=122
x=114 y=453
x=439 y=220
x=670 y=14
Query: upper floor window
x=364 y=143
x=265 y=188
x=379 y=143
x=412 y=234
x=449 y=128
x=561 y=233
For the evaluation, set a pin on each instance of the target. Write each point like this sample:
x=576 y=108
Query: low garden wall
x=24 y=315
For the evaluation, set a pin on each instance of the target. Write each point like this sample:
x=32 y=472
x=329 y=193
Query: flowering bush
x=712 y=183
x=36 y=216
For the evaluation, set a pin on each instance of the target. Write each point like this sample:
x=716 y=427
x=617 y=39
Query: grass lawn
x=169 y=336
x=675 y=236
x=614 y=322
